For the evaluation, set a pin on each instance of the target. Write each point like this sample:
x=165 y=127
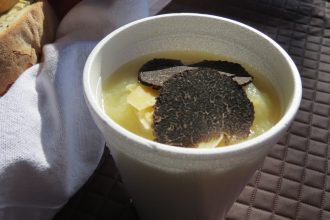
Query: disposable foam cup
x=173 y=183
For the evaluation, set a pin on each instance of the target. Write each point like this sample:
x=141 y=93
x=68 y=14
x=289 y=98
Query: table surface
x=294 y=182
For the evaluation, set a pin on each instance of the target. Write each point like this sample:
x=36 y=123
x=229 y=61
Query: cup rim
x=280 y=126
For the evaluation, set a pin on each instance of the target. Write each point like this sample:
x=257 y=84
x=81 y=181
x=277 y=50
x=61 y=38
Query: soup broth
x=116 y=89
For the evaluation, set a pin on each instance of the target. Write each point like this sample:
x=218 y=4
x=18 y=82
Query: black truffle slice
x=156 y=78
x=160 y=63
x=241 y=76
x=197 y=106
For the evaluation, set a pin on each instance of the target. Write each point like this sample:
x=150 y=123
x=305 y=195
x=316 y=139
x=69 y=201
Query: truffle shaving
x=199 y=105
x=160 y=63
x=241 y=76
x=156 y=78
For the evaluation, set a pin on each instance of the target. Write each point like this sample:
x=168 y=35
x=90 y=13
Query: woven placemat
x=294 y=182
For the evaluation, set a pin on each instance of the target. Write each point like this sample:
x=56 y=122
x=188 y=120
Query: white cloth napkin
x=49 y=145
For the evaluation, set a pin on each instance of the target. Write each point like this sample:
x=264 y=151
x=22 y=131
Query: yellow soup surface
x=130 y=103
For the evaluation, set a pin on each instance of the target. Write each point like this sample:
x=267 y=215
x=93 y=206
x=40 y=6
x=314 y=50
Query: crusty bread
x=5 y=5
x=23 y=31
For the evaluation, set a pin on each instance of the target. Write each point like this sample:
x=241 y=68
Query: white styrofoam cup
x=173 y=183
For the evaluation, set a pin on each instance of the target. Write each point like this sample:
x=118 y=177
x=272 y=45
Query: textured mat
x=294 y=182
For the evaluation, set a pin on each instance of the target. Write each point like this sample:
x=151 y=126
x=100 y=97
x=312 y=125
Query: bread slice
x=24 y=29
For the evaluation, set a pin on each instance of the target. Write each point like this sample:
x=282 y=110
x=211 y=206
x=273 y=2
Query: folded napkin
x=49 y=145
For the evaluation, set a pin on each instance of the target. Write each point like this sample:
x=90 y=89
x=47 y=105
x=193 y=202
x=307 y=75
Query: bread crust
x=5 y=5
x=21 y=43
